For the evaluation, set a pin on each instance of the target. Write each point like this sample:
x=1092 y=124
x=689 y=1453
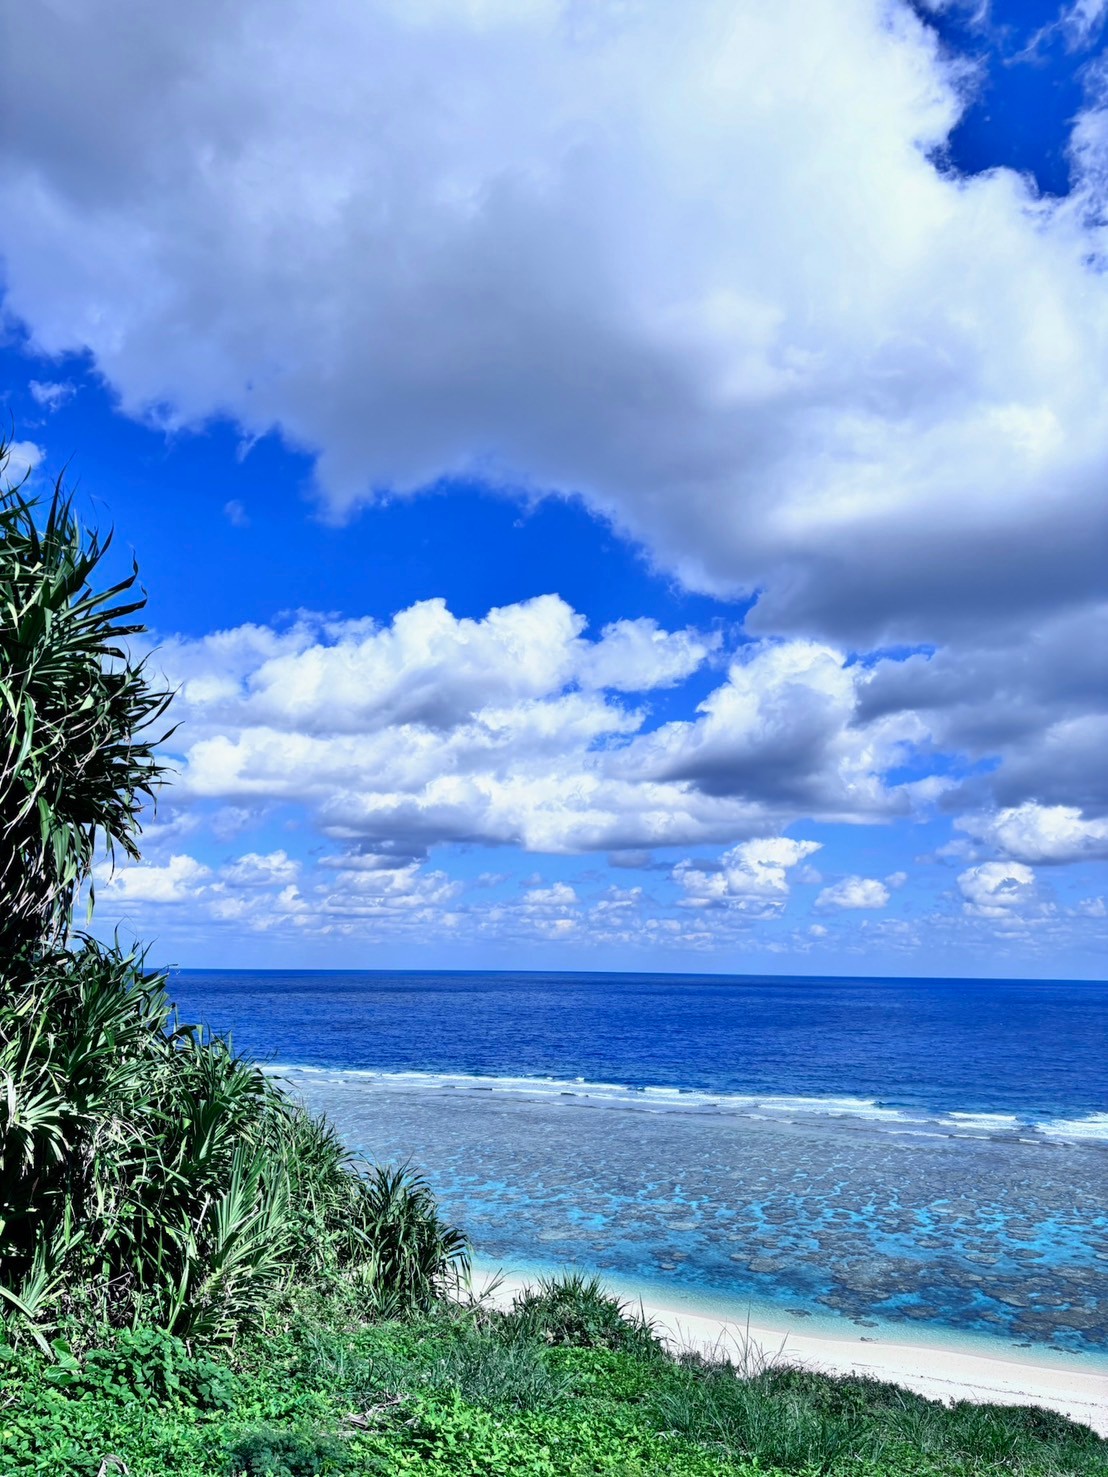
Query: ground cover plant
x=195 y=1279
x=460 y=1391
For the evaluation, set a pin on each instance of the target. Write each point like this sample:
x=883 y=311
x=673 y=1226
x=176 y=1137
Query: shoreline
x=961 y=1367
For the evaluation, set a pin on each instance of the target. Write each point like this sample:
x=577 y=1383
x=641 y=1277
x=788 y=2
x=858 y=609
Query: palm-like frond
x=77 y=758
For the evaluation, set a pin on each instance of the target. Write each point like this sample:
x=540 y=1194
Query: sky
x=619 y=485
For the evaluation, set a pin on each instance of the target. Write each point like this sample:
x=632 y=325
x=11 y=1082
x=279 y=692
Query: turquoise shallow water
x=930 y=1154
x=815 y=1207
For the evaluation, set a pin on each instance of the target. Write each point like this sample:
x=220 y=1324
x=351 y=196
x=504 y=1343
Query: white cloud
x=1081 y=19
x=426 y=667
x=177 y=881
x=408 y=892
x=782 y=727
x=1040 y=833
x=854 y=892
x=271 y=893
x=1002 y=891
x=20 y=459
x=637 y=656
x=693 y=263
x=51 y=394
x=520 y=651
x=230 y=821
x=560 y=895
x=167 y=829
x=435 y=729
x=751 y=877
x=256 y=870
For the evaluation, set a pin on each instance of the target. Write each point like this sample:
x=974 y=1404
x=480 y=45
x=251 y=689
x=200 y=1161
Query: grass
x=457 y=1392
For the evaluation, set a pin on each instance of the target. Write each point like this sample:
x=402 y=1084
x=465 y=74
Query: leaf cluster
x=574 y=1309
x=79 y=717
x=148 y=1174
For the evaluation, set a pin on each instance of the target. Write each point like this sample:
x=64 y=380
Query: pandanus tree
x=77 y=745
x=147 y=1173
x=78 y=731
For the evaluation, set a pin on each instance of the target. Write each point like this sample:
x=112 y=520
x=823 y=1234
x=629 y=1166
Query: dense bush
x=574 y=1309
x=76 y=747
x=147 y=1174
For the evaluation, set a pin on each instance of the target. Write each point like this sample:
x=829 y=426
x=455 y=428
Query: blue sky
x=618 y=487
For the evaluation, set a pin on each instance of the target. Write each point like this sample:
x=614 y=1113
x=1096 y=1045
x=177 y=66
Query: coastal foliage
x=470 y=1393
x=77 y=758
x=148 y=1175
x=574 y=1309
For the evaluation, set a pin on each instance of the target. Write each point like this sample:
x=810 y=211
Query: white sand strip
x=941 y=1373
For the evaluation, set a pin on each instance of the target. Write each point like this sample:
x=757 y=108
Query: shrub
x=407 y=1249
x=145 y=1364
x=267 y=1452
x=574 y=1309
x=76 y=749
x=147 y=1174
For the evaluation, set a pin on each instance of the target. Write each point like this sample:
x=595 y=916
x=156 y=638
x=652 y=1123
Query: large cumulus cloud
x=699 y=265
x=694 y=263
x=523 y=729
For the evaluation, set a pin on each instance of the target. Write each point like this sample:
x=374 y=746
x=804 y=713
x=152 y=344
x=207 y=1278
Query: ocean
x=931 y=1154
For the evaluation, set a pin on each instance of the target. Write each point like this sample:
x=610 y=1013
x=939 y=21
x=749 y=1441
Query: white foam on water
x=767 y=1107
x=763 y=1107
x=1094 y=1126
x=982 y=1125
x=986 y=1120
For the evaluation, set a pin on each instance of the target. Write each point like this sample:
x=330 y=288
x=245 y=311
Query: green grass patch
x=468 y=1393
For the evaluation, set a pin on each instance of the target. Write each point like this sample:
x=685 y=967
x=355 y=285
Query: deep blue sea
x=925 y=1152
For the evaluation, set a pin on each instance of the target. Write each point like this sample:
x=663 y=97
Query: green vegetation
x=195 y=1279
x=76 y=748
x=148 y=1176
x=461 y=1391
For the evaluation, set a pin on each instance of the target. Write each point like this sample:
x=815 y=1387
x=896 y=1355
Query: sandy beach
x=941 y=1373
